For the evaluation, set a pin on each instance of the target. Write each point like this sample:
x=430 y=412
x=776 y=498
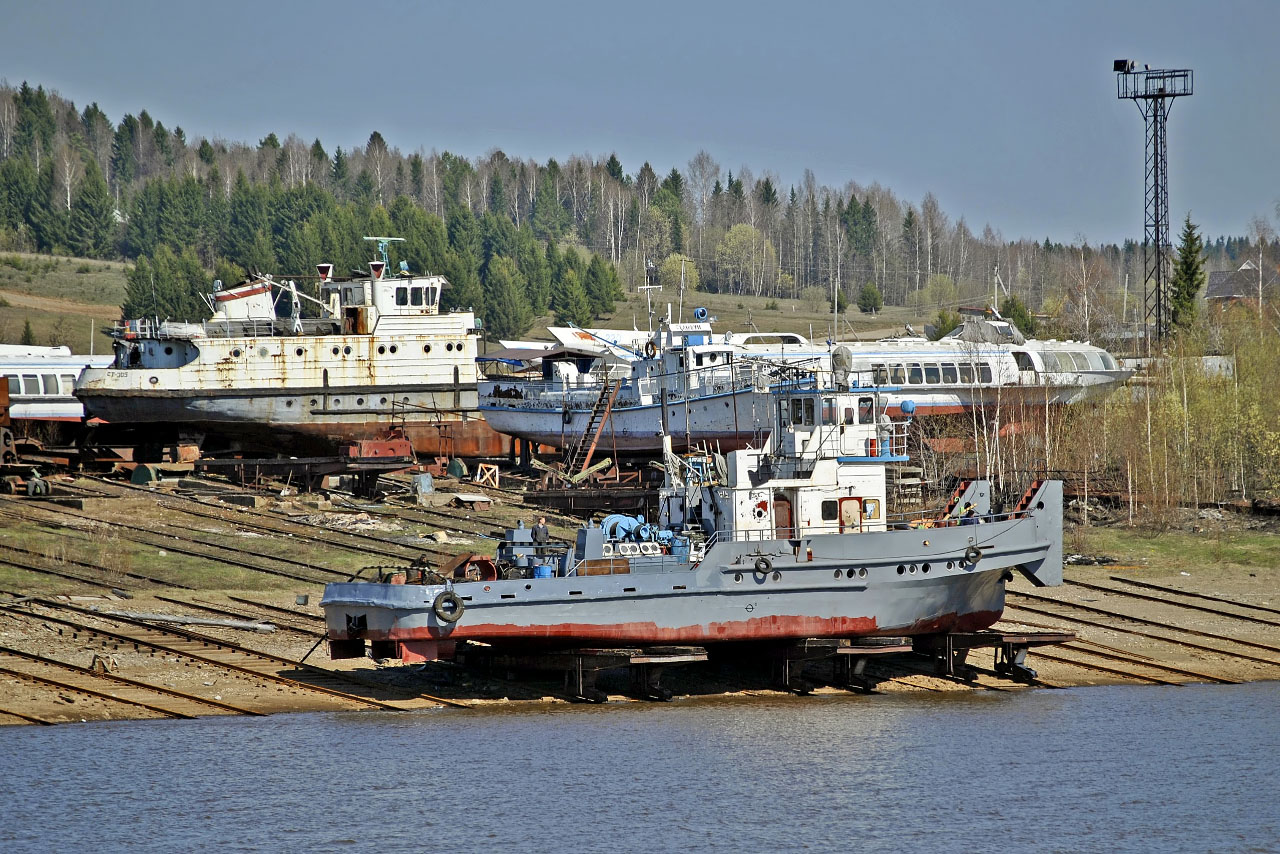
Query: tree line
x=71 y=181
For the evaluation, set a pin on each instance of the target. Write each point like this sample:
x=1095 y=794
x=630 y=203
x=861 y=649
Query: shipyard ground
x=1200 y=603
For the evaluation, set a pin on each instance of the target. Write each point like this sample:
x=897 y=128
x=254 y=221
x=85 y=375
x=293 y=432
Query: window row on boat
x=40 y=385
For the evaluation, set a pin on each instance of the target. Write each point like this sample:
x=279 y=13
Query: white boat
x=382 y=355
x=698 y=387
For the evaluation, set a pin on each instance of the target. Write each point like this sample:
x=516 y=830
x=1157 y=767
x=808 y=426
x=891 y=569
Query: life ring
x=448 y=607
x=650 y=349
x=763 y=565
x=972 y=554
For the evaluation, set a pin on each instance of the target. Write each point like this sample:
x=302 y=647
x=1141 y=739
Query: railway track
x=215 y=652
x=36 y=568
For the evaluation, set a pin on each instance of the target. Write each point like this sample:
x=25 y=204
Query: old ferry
x=381 y=354
x=788 y=540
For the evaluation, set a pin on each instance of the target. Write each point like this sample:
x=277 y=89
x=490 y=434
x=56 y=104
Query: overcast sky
x=1007 y=112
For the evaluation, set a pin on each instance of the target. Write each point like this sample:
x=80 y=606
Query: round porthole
x=359 y=401
x=849 y=573
x=168 y=351
x=298 y=352
x=262 y=351
x=381 y=350
x=154 y=380
x=837 y=575
x=394 y=348
x=862 y=572
x=382 y=402
x=737 y=576
x=901 y=569
x=346 y=351
x=458 y=346
x=912 y=569
x=449 y=346
x=314 y=402
x=335 y=351
x=235 y=354
x=337 y=401
x=288 y=403
x=426 y=348
x=925 y=568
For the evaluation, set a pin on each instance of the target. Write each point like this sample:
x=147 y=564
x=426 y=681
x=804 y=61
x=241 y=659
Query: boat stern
x=1043 y=506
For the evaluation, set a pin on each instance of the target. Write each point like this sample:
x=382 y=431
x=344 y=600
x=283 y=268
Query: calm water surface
x=1192 y=769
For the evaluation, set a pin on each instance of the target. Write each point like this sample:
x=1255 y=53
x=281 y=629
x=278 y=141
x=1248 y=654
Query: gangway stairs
x=579 y=456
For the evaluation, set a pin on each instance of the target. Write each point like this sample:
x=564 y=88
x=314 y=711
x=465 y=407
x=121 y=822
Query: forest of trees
x=518 y=238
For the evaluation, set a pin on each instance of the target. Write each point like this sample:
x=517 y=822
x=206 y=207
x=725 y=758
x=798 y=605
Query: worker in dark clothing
x=541 y=535
x=969 y=516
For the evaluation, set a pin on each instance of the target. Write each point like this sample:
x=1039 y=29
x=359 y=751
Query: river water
x=1113 y=769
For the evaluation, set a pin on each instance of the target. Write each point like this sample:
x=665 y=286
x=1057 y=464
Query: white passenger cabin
x=361 y=303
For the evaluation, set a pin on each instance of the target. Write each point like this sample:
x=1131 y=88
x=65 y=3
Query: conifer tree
x=570 y=301
x=92 y=215
x=507 y=313
x=1188 y=276
x=28 y=335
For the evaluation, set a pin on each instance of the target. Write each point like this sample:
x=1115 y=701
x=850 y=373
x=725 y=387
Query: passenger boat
x=791 y=539
x=696 y=386
x=381 y=355
x=42 y=381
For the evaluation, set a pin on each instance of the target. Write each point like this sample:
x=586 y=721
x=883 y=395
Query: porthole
x=837 y=575
x=381 y=350
x=394 y=348
x=862 y=572
x=298 y=352
x=335 y=351
x=382 y=402
x=262 y=351
x=168 y=351
x=528 y=587
x=449 y=346
x=346 y=351
x=951 y=564
x=426 y=348
x=737 y=577
x=901 y=569
x=154 y=380
x=912 y=569
x=235 y=354
x=337 y=401
x=925 y=568
x=458 y=346
x=359 y=401
x=849 y=574
x=404 y=400
x=777 y=576
x=314 y=403
x=288 y=403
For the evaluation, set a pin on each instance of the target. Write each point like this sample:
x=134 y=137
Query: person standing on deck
x=541 y=535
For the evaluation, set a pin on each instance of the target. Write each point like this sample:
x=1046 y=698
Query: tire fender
x=448 y=607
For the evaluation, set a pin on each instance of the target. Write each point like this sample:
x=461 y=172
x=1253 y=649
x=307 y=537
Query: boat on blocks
x=788 y=540
x=382 y=354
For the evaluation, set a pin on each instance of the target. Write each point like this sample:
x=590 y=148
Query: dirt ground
x=1247 y=646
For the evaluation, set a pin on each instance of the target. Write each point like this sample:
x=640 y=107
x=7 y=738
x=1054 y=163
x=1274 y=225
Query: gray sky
x=1007 y=112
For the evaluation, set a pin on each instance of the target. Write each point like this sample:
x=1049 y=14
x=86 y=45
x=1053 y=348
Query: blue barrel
x=544 y=571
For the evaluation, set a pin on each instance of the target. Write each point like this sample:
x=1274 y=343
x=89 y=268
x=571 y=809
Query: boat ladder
x=579 y=456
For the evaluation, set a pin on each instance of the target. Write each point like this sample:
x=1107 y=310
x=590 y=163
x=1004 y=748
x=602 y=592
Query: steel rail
x=276 y=608
x=1178 y=592
x=1102 y=668
x=134 y=575
x=28 y=718
x=1163 y=601
x=1155 y=665
x=213 y=609
x=101 y=695
x=1189 y=644
x=113 y=677
x=189 y=539
x=227 y=665
x=41 y=571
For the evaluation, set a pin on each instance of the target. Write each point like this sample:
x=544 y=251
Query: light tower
x=1153 y=92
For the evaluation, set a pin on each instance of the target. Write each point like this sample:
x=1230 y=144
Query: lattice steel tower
x=1153 y=92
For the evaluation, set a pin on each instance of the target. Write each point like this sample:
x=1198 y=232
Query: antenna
x=382 y=246
x=1153 y=92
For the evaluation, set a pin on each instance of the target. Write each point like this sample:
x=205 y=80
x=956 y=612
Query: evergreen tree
x=570 y=302
x=17 y=192
x=464 y=291
x=167 y=286
x=507 y=313
x=945 y=322
x=1188 y=276
x=205 y=152
x=549 y=218
x=35 y=125
x=869 y=299
x=28 y=335
x=601 y=285
x=1016 y=312
x=614 y=167
x=92 y=216
x=48 y=218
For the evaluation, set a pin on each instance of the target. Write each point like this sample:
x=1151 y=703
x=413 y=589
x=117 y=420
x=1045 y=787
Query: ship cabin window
x=897 y=375
x=848 y=415
x=68 y=383
x=1095 y=360
x=15 y=385
x=948 y=373
x=1108 y=363
x=415 y=296
x=30 y=385
x=931 y=374
x=402 y=296
x=871 y=508
x=966 y=372
x=866 y=410
x=984 y=372
x=1024 y=361
x=800 y=412
x=830 y=510
x=829 y=412
x=915 y=376
x=698 y=360
x=879 y=374
x=50 y=383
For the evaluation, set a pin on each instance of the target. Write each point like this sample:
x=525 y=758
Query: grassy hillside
x=63 y=298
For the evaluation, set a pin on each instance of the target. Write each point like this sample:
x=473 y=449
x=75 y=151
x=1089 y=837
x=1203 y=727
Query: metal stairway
x=579 y=455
